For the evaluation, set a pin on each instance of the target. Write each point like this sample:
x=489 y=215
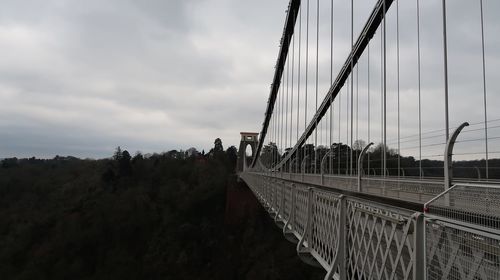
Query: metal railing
x=463 y=233
x=414 y=190
x=357 y=238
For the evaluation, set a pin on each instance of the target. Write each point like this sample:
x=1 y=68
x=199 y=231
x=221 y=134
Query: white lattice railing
x=404 y=188
x=354 y=238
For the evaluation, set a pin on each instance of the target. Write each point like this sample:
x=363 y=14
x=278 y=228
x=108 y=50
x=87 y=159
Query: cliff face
x=257 y=247
x=241 y=204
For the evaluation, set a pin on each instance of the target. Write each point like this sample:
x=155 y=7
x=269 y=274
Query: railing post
x=360 y=164
x=282 y=202
x=448 y=160
x=478 y=173
x=322 y=173
x=293 y=163
x=305 y=252
x=261 y=191
x=282 y=197
x=302 y=167
x=269 y=195
x=291 y=219
x=343 y=238
x=419 y=271
x=321 y=167
x=265 y=194
x=310 y=215
x=340 y=260
x=272 y=191
x=275 y=200
x=294 y=201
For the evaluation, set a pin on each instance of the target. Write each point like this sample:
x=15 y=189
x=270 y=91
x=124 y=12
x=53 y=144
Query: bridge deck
x=385 y=236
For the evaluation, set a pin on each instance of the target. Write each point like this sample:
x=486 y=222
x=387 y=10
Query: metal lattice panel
x=325 y=230
x=301 y=199
x=279 y=198
x=476 y=204
x=412 y=190
x=287 y=201
x=381 y=242
x=459 y=253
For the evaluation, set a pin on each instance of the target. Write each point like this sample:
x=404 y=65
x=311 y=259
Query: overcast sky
x=82 y=77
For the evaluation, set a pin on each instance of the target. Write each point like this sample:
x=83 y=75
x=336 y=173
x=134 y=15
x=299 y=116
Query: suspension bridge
x=377 y=151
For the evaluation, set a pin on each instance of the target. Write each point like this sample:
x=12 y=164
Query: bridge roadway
x=384 y=232
x=413 y=191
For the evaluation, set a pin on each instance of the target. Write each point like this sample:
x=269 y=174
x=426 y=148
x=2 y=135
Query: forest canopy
x=141 y=216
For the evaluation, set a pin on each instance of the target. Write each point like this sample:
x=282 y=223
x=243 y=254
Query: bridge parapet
x=463 y=233
x=400 y=188
x=471 y=203
x=358 y=238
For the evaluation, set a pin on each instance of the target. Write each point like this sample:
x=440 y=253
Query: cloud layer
x=82 y=77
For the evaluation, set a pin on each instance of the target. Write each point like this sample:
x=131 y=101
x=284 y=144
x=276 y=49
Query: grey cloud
x=80 y=77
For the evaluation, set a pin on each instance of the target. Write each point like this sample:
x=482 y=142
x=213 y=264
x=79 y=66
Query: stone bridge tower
x=247 y=138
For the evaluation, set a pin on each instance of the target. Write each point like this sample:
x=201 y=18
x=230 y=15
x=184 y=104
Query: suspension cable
x=357 y=103
x=368 y=31
x=484 y=88
x=384 y=139
x=352 y=85
x=307 y=72
x=339 y=143
x=291 y=99
x=382 y=171
x=419 y=91
x=298 y=86
x=445 y=64
x=398 y=90
x=278 y=126
x=273 y=134
x=282 y=116
x=316 y=95
x=286 y=103
x=331 y=83
x=368 y=91
x=348 y=157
